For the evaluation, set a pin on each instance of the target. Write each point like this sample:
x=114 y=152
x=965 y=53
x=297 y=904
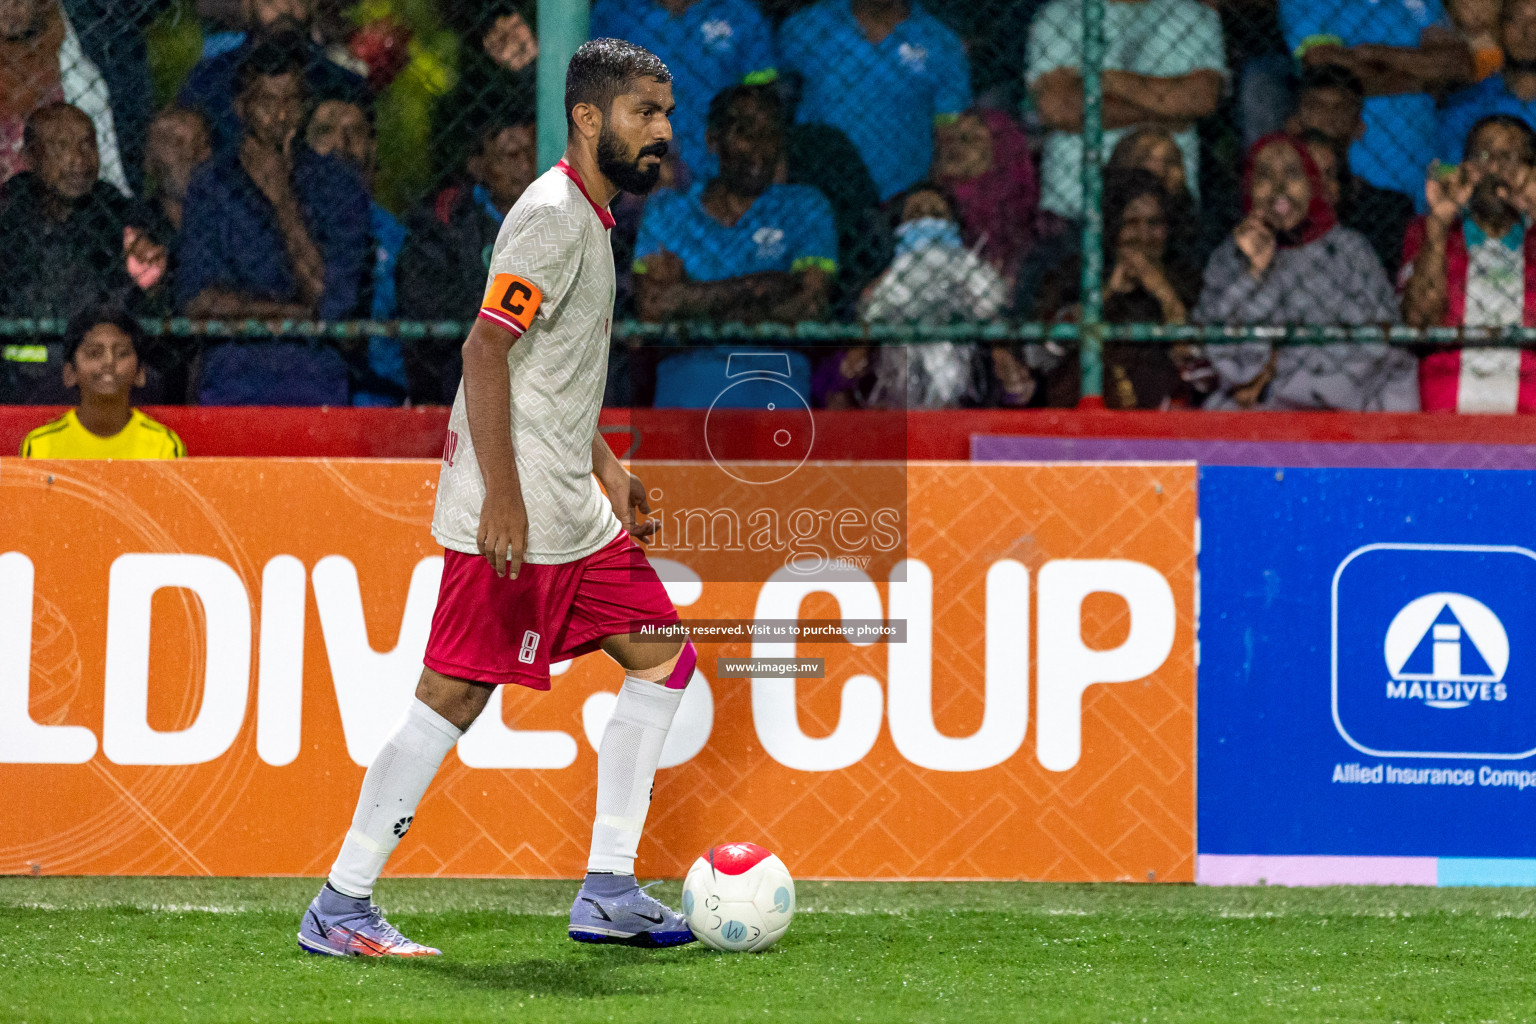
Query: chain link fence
x=1220 y=204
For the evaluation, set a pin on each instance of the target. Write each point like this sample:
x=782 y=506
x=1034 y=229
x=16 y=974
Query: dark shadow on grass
x=590 y=972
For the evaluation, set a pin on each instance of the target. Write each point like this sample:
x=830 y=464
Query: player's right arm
x=503 y=535
x=531 y=268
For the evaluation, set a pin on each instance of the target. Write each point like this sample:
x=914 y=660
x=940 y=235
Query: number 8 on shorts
x=530 y=647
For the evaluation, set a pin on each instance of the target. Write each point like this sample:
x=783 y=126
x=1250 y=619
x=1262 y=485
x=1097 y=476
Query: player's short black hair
x=270 y=58
x=1330 y=76
x=1519 y=124
x=602 y=69
x=93 y=316
x=718 y=119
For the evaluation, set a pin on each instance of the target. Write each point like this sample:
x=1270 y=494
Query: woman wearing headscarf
x=1147 y=280
x=1289 y=262
x=983 y=161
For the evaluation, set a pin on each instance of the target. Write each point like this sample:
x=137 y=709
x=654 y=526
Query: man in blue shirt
x=210 y=87
x=1513 y=92
x=345 y=129
x=737 y=248
x=272 y=231
x=706 y=44
x=882 y=71
x=1402 y=50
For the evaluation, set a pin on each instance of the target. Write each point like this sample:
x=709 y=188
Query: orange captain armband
x=511 y=302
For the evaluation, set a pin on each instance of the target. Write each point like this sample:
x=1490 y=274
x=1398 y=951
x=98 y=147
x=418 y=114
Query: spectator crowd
x=896 y=162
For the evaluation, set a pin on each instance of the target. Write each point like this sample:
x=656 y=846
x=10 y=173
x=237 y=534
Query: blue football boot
x=632 y=918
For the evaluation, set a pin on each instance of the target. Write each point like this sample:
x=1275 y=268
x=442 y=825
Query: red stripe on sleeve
x=501 y=320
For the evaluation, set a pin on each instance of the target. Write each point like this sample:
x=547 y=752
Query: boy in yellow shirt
x=101 y=358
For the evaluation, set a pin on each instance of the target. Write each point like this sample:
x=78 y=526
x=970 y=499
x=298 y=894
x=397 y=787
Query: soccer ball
x=738 y=898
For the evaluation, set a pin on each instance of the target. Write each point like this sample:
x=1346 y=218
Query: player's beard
x=624 y=170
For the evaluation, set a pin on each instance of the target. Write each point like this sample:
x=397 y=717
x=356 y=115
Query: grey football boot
x=633 y=917
x=340 y=925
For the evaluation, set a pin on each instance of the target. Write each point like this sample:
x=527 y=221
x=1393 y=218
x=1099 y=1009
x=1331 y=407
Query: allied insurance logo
x=1432 y=651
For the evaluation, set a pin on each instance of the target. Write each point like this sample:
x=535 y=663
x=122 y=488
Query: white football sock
x=626 y=768
x=391 y=790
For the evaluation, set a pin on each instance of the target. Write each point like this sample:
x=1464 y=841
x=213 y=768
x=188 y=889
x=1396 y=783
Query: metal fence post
x=1091 y=343
x=562 y=28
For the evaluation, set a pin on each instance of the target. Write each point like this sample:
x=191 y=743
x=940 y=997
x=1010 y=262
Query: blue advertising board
x=1368 y=664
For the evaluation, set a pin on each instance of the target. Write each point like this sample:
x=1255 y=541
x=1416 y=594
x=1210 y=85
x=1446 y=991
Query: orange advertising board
x=198 y=658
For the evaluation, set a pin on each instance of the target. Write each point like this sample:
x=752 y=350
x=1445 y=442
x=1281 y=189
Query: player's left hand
x=627 y=495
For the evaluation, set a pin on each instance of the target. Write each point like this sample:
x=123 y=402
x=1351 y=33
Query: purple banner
x=1299 y=454
x=1219 y=869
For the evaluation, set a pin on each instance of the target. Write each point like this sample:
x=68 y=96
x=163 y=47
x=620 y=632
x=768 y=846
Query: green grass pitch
x=164 y=950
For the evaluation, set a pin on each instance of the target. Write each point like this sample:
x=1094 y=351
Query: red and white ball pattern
x=738 y=897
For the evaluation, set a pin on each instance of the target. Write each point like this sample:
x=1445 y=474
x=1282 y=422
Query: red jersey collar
x=602 y=212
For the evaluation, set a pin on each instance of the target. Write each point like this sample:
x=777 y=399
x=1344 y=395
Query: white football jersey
x=550 y=283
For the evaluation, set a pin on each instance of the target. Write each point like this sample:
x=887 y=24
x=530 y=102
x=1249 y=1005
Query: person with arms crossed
x=1404 y=53
x=539 y=565
x=886 y=73
x=739 y=247
x=1164 y=67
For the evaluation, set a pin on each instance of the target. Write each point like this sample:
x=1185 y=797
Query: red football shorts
x=493 y=629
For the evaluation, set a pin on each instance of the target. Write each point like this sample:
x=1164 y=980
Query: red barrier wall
x=680 y=433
